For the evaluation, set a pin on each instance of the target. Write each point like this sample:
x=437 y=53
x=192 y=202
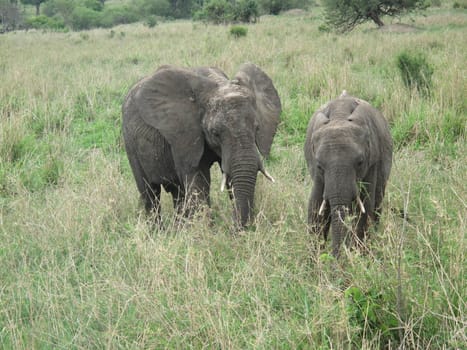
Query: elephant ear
x=212 y=73
x=171 y=101
x=268 y=104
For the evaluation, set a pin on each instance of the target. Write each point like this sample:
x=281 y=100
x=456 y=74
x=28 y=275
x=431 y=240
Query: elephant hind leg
x=150 y=192
x=178 y=197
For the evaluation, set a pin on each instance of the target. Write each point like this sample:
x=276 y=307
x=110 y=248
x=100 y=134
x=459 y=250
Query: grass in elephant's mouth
x=82 y=266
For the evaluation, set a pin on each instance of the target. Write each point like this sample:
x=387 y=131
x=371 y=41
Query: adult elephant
x=348 y=150
x=179 y=121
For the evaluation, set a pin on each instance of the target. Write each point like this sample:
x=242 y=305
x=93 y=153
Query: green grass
x=81 y=266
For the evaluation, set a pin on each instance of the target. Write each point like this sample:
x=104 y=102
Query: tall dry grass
x=82 y=266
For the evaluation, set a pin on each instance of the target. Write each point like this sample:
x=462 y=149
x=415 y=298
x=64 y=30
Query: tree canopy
x=36 y=3
x=9 y=15
x=86 y=14
x=345 y=15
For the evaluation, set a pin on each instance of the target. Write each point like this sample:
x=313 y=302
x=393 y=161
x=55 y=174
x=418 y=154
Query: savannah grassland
x=81 y=267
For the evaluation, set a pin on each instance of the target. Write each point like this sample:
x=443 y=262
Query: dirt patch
x=295 y=13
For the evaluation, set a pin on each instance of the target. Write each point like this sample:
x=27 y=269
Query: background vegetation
x=63 y=15
x=86 y=14
x=344 y=15
x=82 y=267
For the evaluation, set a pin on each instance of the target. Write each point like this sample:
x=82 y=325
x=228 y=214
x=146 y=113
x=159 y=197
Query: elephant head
x=349 y=154
x=205 y=117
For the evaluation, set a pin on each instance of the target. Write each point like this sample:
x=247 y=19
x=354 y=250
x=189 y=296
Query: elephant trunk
x=340 y=197
x=243 y=177
x=338 y=226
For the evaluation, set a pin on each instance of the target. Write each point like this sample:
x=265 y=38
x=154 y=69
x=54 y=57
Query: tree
x=180 y=8
x=60 y=8
x=36 y=3
x=84 y=18
x=9 y=15
x=155 y=7
x=272 y=7
x=344 y=15
x=228 y=11
x=218 y=11
x=245 y=11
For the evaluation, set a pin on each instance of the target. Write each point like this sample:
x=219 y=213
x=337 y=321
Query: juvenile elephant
x=348 y=150
x=179 y=121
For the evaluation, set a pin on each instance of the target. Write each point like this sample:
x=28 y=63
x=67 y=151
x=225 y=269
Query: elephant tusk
x=322 y=207
x=360 y=204
x=261 y=167
x=268 y=176
x=224 y=181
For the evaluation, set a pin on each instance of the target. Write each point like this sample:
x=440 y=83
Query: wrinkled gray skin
x=179 y=121
x=348 y=151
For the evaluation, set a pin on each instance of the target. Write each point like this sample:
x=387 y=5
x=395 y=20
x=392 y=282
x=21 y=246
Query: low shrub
x=216 y=11
x=238 y=31
x=415 y=70
x=462 y=4
x=371 y=312
x=151 y=21
x=245 y=11
x=85 y=18
x=222 y=11
x=113 y=16
x=324 y=28
x=44 y=22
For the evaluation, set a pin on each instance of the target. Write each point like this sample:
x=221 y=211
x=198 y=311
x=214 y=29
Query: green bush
x=415 y=70
x=217 y=11
x=223 y=11
x=238 y=31
x=78 y=15
x=84 y=18
x=44 y=22
x=324 y=28
x=274 y=7
x=113 y=16
x=60 y=8
x=95 y=5
x=370 y=311
x=155 y=7
x=151 y=21
x=245 y=11
x=460 y=4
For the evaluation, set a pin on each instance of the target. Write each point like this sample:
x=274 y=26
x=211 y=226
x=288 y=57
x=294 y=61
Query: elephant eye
x=214 y=132
x=360 y=162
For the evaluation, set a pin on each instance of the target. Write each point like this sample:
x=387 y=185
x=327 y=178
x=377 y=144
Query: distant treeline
x=86 y=14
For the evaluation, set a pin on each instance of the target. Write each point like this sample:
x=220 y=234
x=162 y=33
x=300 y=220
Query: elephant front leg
x=319 y=211
x=361 y=230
